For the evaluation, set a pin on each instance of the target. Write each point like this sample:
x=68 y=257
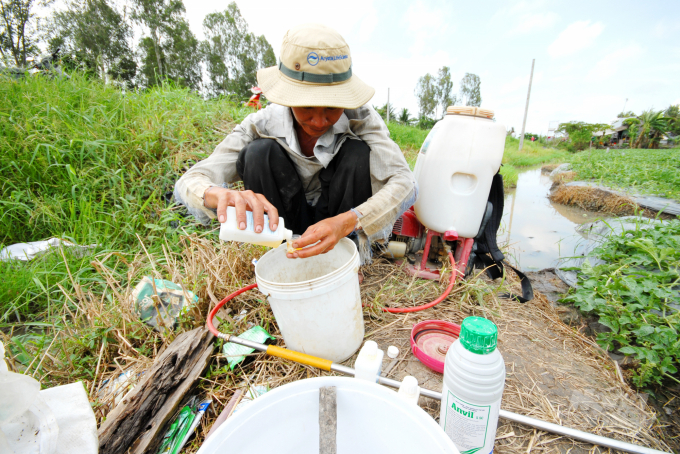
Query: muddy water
x=538 y=231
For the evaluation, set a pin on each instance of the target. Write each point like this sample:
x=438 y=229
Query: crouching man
x=318 y=155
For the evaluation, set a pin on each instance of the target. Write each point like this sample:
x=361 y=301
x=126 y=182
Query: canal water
x=536 y=230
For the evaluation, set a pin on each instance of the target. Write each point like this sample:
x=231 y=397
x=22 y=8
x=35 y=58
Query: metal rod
x=526 y=108
x=509 y=416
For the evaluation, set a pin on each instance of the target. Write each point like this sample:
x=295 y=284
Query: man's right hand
x=242 y=201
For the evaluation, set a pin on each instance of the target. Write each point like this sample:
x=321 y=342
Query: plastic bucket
x=370 y=419
x=316 y=301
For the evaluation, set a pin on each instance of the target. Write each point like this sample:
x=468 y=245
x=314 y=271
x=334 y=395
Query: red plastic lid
x=431 y=339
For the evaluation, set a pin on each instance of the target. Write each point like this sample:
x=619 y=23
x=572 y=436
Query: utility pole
x=526 y=109
x=624 y=106
x=388 y=104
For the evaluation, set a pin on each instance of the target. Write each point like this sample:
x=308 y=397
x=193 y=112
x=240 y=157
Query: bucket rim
x=293 y=285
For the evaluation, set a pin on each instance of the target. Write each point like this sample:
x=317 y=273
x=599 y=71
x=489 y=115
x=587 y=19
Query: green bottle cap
x=478 y=335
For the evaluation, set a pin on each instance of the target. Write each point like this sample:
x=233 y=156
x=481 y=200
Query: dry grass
x=547 y=168
x=564 y=177
x=594 y=199
x=554 y=372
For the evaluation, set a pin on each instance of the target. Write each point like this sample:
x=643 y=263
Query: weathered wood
x=135 y=423
x=328 y=420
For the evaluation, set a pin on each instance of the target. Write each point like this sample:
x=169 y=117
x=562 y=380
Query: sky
x=590 y=56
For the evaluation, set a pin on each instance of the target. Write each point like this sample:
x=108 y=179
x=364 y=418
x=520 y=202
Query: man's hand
x=327 y=233
x=221 y=198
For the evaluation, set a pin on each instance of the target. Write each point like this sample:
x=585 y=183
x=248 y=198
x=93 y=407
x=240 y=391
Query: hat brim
x=283 y=90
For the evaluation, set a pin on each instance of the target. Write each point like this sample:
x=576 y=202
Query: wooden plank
x=137 y=421
x=328 y=420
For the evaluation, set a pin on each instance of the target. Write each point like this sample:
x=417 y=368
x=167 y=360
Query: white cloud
x=575 y=37
x=611 y=63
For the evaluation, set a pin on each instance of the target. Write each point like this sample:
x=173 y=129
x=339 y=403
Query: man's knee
x=355 y=153
x=258 y=151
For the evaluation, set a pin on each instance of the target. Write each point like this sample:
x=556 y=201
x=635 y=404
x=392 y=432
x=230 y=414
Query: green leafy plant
x=635 y=294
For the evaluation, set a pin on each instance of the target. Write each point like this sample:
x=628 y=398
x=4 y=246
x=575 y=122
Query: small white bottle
x=369 y=362
x=474 y=378
x=409 y=389
x=229 y=231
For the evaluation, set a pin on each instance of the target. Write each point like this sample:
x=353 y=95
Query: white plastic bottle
x=455 y=168
x=474 y=378
x=369 y=362
x=409 y=389
x=229 y=231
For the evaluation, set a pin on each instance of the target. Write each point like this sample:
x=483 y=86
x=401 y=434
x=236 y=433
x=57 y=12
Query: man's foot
x=361 y=277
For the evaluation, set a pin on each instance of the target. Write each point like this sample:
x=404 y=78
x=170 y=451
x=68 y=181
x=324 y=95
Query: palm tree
x=647 y=128
x=405 y=117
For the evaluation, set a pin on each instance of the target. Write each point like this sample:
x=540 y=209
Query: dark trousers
x=265 y=168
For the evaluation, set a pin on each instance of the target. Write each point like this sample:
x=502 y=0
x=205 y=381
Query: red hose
x=441 y=298
x=213 y=312
x=452 y=280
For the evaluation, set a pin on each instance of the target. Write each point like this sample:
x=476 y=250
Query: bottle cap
x=478 y=335
x=409 y=386
x=370 y=349
x=392 y=351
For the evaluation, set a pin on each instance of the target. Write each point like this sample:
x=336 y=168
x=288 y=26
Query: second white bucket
x=316 y=301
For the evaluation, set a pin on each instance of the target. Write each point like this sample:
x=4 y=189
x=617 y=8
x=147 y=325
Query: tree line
x=434 y=94
x=642 y=131
x=96 y=37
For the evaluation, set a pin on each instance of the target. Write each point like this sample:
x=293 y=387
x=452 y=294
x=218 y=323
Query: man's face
x=315 y=121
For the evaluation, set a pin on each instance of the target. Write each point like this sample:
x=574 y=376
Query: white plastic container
x=371 y=419
x=368 y=364
x=229 y=231
x=409 y=389
x=454 y=170
x=474 y=378
x=316 y=300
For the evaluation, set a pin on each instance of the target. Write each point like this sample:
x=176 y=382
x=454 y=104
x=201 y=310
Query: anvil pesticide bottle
x=474 y=378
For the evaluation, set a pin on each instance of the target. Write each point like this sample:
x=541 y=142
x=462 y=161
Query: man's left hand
x=325 y=233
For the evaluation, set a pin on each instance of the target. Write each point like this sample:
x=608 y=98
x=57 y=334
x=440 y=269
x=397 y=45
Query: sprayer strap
x=487 y=255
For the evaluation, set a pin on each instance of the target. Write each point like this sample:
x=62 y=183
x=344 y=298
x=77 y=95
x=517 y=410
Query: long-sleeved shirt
x=393 y=185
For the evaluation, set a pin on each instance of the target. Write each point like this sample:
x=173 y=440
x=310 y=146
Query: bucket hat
x=315 y=70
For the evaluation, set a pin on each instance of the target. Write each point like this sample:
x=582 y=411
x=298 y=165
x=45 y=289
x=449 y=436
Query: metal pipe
x=509 y=416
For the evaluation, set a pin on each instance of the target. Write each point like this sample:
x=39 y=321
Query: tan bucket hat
x=315 y=70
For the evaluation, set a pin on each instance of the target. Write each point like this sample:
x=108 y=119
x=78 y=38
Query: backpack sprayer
x=455 y=169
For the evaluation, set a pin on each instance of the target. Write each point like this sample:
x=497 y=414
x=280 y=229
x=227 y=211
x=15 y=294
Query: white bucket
x=370 y=419
x=316 y=300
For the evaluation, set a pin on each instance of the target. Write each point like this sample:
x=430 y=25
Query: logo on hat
x=313 y=58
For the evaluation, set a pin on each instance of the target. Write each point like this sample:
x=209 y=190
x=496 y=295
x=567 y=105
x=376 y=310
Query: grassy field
x=645 y=171
x=85 y=162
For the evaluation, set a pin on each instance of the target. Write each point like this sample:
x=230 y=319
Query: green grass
x=80 y=160
x=532 y=154
x=632 y=293
x=644 y=171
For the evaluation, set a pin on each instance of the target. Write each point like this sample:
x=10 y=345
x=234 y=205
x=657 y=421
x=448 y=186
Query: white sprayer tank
x=454 y=170
x=316 y=300
x=370 y=419
x=474 y=378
